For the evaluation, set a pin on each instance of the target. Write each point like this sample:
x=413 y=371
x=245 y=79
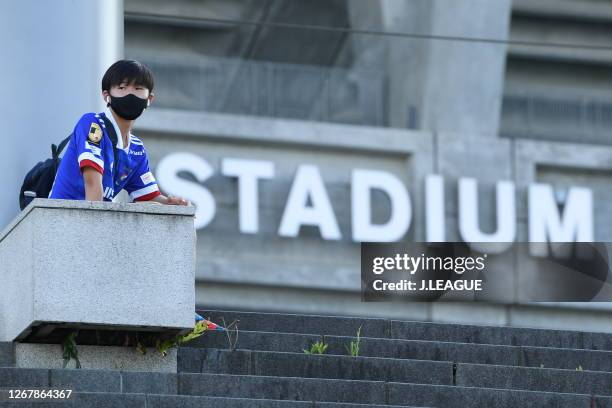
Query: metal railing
x=587 y=120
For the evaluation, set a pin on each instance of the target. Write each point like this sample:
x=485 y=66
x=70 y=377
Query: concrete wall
x=265 y=271
x=450 y=90
x=226 y=255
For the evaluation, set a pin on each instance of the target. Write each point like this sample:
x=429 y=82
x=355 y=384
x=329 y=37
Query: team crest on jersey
x=95 y=133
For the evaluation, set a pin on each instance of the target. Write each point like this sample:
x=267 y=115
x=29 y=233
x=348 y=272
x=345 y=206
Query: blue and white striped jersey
x=90 y=146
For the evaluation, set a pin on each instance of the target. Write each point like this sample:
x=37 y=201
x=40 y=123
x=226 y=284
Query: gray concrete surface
x=318 y=276
x=452 y=85
x=93 y=30
x=60 y=267
x=32 y=355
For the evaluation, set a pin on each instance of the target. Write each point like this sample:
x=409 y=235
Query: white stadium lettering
x=545 y=221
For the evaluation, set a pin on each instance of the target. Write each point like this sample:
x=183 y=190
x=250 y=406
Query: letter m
x=546 y=224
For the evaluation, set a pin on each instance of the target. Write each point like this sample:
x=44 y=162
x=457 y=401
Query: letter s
x=170 y=182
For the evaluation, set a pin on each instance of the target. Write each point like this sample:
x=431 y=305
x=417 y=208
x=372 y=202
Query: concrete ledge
x=79 y=264
x=30 y=355
x=143 y=208
x=259 y=130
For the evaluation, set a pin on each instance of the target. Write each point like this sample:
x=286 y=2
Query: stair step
x=394 y=370
x=370 y=392
x=398 y=329
x=263 y=363
x=400 y=363
x=189 y=401
x=77 y=400
x=113 y=400
x=446 y=396
x=205 y=384
x=594 y=360
x=284 y=388
x=481 y=385
x=417 y=395
x=534 y=379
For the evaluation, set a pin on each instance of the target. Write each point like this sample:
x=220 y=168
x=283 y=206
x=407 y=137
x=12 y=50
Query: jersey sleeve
x=89 y=142
x=142 y=185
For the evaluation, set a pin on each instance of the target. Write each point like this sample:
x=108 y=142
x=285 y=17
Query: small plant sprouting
x=353 y=347
x=163 y=347
x=541 y=365
x=231 y=342
x=69 y=349
x=141 y=348
x=579 y=368
x=199 y=329
x=318 y=347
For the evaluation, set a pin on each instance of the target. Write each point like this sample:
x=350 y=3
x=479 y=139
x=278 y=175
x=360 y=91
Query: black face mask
x=129 y=107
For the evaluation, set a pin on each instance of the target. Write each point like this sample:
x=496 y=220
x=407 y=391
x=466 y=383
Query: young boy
x=87 y=171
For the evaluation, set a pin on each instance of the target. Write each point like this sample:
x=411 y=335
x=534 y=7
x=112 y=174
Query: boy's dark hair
x=128 y=71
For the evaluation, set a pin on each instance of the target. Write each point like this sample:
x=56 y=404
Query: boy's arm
x=89 y=144
x=93 y=184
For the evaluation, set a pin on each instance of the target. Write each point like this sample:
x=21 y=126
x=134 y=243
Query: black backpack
x=39 y=180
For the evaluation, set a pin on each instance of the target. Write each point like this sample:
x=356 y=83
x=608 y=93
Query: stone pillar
x=96 y=266
x=437 y=85
x=54 y=54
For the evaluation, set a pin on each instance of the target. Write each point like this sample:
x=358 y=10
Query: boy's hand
x=172 y=200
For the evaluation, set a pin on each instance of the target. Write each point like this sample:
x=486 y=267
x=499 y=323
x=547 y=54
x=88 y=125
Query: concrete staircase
x=400 y=364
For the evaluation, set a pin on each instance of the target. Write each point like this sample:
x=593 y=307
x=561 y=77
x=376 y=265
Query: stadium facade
x=279 y=130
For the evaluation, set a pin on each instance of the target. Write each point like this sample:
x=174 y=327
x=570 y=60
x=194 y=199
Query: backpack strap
x=114 y=139
x=63 y=144
x=57 y=150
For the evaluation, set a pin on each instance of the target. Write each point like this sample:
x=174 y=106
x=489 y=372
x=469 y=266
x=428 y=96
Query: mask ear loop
x=108 y=101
